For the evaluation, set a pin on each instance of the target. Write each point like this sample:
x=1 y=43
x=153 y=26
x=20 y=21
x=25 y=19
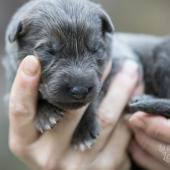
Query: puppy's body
x=154 y=55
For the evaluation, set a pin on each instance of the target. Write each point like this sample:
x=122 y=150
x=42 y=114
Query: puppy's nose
x=78 y=92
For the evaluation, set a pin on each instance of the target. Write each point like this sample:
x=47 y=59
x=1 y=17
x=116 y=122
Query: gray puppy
x=73 y=40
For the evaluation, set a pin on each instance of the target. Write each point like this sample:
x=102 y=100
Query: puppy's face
x=74 y=46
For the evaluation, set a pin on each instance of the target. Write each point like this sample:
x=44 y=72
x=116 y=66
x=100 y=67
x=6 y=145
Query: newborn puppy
x=73 y=40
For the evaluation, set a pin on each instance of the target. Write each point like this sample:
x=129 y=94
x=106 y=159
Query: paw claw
x=47 y=127
x=85 y=138
x=52 y=120
x=85 y=145
x=47 y=122
x=89 y=144
x=41 y=130
x=82 y=147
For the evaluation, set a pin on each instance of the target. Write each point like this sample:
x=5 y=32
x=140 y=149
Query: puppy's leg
x=48 y=116
x=87 y=130
x=150 y=104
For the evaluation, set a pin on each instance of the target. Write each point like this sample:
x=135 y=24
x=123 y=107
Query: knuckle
x=16 y=148
x=106 y=116
x=127 y=82
x=156 y=129
x=124 y=164
x=53 y=164
x=17 y=109
x=107 y=119
x=143 y=142
x=69 y=166
x=50 y=165
x=155 y=132
x=107 y=164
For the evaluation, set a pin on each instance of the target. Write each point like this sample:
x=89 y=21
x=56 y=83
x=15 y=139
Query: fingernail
x=137 y=121
x=127 y=117
x=130 y=68
x=30 y=65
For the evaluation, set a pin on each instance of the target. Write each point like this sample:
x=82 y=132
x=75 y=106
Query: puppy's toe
x=85 y=138
x=55 y=118
x=46 y=122
x=85 y=145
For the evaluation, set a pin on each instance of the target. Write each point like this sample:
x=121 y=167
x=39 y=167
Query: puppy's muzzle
x=80 y=92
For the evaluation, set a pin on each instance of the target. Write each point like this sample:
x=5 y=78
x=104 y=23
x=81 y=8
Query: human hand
x=151 y=145
x=52 y=150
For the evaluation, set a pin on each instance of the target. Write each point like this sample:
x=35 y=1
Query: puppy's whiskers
x=77 y=52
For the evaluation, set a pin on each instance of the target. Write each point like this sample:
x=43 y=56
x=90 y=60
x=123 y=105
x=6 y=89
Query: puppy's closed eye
x=95 y=46
x=50 y=48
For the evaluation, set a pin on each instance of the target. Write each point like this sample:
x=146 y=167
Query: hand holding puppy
x=52 y=150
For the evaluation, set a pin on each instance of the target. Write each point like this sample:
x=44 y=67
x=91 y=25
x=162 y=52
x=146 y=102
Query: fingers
x=115 y=145
x=153 y=147
x=113 y=155
x=154 y=126
x=144 y=159
x=23 y=98
x=116 y=99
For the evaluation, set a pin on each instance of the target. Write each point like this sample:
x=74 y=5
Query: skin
x=151 y=147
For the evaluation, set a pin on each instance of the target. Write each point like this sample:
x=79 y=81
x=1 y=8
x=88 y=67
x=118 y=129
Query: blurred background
x=146 y=16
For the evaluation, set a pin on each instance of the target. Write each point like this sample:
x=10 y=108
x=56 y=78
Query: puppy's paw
x=141 y=103
x=85 y=136
x=140 y=99
x=48 y=117
x=150 y=105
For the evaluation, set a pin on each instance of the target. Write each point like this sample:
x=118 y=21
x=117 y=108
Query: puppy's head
x=73 y=41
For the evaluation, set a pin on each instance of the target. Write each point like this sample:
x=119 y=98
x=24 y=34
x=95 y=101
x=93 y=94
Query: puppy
x=73 y=41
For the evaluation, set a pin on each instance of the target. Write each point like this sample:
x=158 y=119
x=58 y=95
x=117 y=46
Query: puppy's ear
x=15 y=32
x=107 y=24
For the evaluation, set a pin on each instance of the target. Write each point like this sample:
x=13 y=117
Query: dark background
x=146 y=16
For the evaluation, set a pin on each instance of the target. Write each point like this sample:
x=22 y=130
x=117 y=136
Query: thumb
x=23 y=98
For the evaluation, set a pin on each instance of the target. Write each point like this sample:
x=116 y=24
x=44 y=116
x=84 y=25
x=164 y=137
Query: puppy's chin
x=71 y=105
